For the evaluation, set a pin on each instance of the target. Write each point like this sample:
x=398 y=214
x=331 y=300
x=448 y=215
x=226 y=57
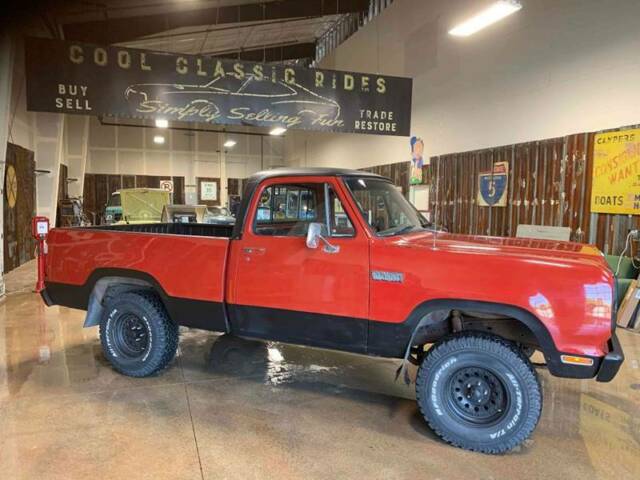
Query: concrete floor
x=268 y=411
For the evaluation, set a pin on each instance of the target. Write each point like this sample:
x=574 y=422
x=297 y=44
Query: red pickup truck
x=340 y=259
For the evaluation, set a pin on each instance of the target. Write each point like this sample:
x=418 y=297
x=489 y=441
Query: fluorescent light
x=159 y=139
x=162 y=123
x=229 y=143
x=496 y=11
x=277 y=131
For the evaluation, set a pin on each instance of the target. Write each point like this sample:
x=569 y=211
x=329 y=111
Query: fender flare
x=421 y=312
x=102 y=279
x=425 y=313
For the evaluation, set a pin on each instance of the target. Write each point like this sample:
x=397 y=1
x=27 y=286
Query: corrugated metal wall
x=549 y=184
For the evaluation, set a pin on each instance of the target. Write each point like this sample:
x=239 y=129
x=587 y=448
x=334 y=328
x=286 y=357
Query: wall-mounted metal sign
x=71 y=77
x=492 y=186
x=615 y=181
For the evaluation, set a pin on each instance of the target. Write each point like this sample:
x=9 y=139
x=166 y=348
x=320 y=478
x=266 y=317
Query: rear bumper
x=611 y=362
x=46 y=298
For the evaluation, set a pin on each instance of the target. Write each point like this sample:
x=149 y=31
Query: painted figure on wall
x=417 y=160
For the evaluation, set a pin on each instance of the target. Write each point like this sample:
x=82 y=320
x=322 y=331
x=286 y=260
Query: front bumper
x=611 y=362
x=602 y=368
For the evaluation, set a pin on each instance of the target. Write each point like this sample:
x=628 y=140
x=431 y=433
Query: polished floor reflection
x=237 y=409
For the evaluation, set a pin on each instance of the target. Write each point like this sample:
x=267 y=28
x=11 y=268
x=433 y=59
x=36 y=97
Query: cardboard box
x=628 y=306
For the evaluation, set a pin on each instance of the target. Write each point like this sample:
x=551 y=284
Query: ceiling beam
x=123 y=29
x=275 y=53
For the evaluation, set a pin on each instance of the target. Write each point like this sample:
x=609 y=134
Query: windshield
x=383 y=207
x=219 y=211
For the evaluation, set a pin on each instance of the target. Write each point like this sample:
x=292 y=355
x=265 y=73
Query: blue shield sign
x=492 y=186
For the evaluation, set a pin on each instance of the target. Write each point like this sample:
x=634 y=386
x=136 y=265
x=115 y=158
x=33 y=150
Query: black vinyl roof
x=309 y=171
x=254 y=180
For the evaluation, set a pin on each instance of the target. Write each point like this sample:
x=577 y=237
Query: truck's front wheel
x=137 y=335
x=479 y=392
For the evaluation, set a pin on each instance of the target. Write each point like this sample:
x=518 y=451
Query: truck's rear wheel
x=137 y=335
x=479 y=392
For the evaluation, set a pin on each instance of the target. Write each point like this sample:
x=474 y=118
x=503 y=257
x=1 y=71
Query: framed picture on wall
x=209 y=191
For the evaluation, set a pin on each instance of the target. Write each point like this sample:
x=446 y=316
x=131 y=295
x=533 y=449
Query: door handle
x=254 y=250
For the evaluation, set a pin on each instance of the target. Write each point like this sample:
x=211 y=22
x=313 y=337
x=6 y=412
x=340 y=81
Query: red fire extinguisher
x=39 y=231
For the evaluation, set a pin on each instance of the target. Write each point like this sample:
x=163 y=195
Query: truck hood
x=503 y=246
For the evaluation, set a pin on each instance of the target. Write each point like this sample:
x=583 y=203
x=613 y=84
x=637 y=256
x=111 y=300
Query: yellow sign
x=616 y=173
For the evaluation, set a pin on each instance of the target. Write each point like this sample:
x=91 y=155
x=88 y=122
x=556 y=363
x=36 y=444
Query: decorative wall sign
x=417 y=160
x=615 y=184
x=167 y=185
x=492 y=186
x=209 y=191
x=11 y=186
x=73 y=77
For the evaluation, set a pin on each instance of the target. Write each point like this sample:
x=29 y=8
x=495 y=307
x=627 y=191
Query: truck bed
x=186 y=263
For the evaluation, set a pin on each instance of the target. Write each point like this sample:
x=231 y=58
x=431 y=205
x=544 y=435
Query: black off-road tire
x=137 y=335
x=479 y=392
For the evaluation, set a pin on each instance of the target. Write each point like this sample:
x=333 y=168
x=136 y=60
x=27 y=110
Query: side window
x=288 y=209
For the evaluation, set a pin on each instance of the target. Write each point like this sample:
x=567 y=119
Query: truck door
x=279 y=288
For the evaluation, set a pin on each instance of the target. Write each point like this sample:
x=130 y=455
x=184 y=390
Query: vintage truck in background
x=136 y=205
x=340 y=259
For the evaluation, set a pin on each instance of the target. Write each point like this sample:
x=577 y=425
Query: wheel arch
x=431 y=312
x=102 y=281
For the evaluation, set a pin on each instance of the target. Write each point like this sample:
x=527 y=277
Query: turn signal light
x=573 y=360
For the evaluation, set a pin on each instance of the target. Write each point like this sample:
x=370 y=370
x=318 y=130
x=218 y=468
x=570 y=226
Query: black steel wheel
x=130 y=335
x=477 y=396
x=137 y=335
x=479 y=392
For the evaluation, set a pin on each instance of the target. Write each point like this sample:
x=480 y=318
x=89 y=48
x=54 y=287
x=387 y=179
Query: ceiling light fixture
x=229 y=143
x=162 y=123
x=159 y=139
x=277 y=131
x=496 y=11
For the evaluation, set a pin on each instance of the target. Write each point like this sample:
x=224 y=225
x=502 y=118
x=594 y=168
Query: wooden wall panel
x=19 y=206
x=63 y=190
x=128 y=181
x=114 y=184
x=178 y=190
x=549 y=184
x=398 y=173
x=63 y=185
x=235 y=186
x=147 y=181
x=89 y=197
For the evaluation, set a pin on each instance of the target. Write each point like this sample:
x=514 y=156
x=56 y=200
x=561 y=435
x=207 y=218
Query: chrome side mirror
x=315 y=235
